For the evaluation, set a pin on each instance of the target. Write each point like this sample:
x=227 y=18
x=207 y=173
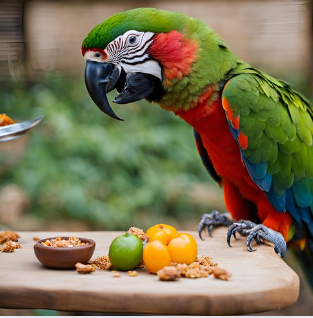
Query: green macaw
x=253 y=132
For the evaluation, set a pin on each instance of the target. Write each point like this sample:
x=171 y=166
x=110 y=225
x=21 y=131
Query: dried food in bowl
x=64 y=257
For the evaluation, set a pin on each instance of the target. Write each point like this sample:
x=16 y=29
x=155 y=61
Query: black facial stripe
x=135 y=63
x=143 y=47
x=133 y=57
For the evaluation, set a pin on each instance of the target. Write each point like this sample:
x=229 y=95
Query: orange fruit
x=162 y=232
x=183 y=249
x=156 y=256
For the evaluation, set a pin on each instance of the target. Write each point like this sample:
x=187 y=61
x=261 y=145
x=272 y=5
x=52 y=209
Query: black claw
x=249 y=240
x=212 y=220
x=230 y=233
x=260 y=233
x=257 y=239
x=199 y=232
x=232 y=230
x=201 y=226
x=210 y=228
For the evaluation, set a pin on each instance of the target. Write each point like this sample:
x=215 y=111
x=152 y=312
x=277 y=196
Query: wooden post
x=11 y=38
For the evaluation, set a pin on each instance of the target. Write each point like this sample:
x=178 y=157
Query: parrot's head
x=149 y=53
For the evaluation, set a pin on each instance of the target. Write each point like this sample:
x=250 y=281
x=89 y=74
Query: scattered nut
x=102 y=263
x=206 y=261
x=84 y=269
x=8 y=236
x=202 y=267
x=168 y=273
x=36 y=238
x=139 y=232
x=10 y=246
x=132 y=273
x=193 y=270
x=221 y=273
x=116 y=274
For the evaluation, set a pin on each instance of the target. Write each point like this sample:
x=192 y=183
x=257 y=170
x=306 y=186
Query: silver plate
x=10 y=132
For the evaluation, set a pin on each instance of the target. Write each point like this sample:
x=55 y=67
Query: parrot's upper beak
x=103 y=77
x=96 y=79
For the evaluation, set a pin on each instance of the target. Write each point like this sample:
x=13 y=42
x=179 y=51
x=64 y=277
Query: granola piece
x=16 y=245
x=46 y=243
x=168 y=273
x=76 y=241
x=221 y=273
x=84 y=269
x=36 y=238
x=5 y=120
x=139 y=232
x=10 y=246
x=206 y=261
x=102 y=263
x=8 y=236
x=59 y=242
x=116 y=274
x=202 y=267
x=193 y=270
x=132 y=273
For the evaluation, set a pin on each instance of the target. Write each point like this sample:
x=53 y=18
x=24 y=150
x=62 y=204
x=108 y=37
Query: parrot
x=253 y=131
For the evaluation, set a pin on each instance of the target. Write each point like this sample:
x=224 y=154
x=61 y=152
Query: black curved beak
x=96 y=79
x=101 y=78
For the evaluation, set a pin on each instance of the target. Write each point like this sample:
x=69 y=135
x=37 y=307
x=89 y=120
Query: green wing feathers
x=277 y=124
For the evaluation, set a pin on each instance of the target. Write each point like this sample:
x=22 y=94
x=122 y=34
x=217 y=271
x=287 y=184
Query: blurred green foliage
x=81 y=164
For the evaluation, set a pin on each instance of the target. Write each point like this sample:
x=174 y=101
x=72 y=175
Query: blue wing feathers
x=302 y=193
x=279 y=203
x=258 y=172
x=296 y=200
x=291 y=205
x=305 y=214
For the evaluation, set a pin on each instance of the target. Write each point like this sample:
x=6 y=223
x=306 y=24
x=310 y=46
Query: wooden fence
x=273 y=35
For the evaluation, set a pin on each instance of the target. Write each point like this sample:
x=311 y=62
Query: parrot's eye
x=132 y=39
x=98 y=54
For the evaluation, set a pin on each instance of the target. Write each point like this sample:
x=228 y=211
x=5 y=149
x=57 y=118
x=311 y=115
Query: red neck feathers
x=206 y=105
x=174 y=52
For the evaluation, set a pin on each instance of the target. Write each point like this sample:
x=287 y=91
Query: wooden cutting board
x=260 y=281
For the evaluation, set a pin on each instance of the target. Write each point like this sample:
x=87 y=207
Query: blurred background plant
x=82 y=166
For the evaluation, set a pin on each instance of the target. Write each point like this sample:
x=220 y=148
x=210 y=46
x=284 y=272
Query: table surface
x=260 y=281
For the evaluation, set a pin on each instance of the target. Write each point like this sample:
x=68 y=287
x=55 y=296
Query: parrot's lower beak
x=96 y=79
x=101 y=78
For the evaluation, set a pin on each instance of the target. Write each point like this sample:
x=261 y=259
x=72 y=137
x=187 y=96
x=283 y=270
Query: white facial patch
x=96 y=56
x=130 y=51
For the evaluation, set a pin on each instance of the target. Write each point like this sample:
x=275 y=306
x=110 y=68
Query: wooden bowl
x=64 y=257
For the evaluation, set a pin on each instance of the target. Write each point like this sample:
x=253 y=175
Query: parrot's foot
x=213 y=219
x=260 y=233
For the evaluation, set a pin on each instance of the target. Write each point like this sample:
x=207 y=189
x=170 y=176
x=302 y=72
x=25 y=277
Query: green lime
x=125 y=252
